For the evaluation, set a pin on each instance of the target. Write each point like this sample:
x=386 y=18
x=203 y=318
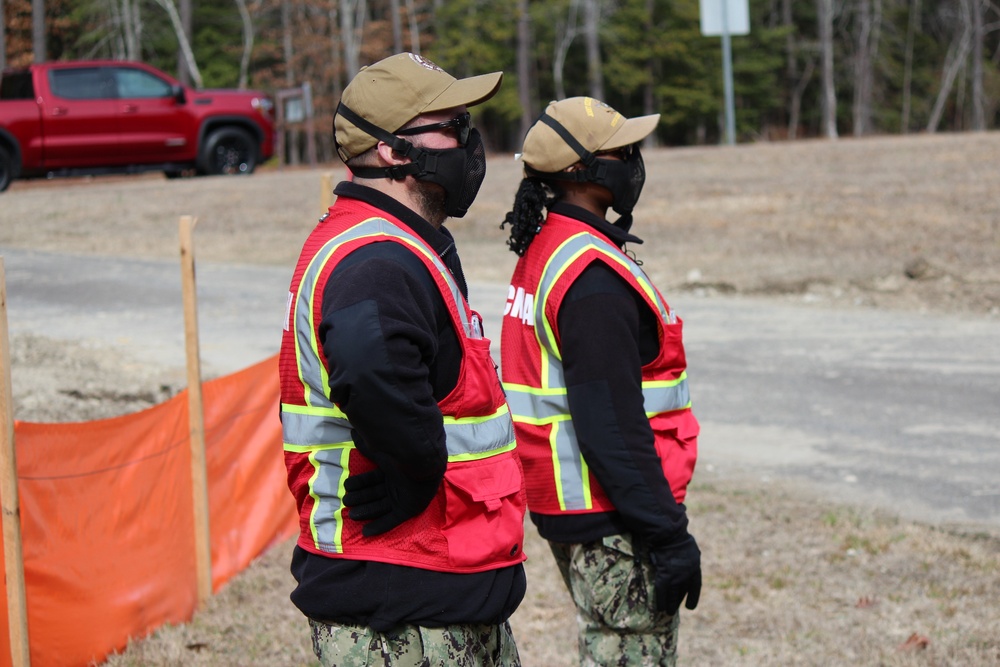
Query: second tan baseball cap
x=394 y=91
x=594 y=124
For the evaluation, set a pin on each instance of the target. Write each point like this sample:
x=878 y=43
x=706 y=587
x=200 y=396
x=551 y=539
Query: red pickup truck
x=102 y=116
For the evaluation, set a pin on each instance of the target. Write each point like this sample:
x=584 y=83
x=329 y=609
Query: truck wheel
x=6 y=168
x=228 y=151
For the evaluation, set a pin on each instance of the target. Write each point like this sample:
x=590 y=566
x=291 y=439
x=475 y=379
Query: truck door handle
x=59 y=111
x=130 y=108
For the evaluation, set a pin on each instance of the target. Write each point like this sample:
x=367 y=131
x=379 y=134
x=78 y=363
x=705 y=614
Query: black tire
x=6 y=168
x=228 y=151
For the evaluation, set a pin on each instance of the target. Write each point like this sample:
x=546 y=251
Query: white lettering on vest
x=520 y=305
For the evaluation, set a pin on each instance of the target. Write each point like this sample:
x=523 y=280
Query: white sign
x=737 y=17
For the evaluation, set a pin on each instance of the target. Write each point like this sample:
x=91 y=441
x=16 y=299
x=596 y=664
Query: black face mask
x=623 y=178
x=459 y=171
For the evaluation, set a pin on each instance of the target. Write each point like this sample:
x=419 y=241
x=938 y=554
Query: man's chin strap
x=398 y=144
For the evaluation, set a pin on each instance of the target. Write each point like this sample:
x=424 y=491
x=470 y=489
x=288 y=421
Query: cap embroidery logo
x=423 y=62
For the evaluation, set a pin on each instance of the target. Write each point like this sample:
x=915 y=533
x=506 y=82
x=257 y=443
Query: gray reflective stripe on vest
x=325 y=488
x=552 y=404
x=305 y=430
x=311 y=370
x=572 y=477
x=464 y=438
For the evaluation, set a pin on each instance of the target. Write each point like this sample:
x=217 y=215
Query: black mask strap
x=595 y=168
x=398 y=144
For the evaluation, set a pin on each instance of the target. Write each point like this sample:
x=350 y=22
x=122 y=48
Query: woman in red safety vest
x=595 y=373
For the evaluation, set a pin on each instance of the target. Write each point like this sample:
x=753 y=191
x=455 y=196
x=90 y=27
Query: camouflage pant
x=414 y=646
x=612 y=586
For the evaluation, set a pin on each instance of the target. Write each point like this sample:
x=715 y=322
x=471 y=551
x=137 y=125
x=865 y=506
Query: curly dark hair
x=528 y=214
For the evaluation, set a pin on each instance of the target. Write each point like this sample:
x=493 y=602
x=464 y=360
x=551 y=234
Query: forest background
x=808 y=68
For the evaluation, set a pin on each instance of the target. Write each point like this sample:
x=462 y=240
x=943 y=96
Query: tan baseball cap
x=594 y=124
x=394 y=91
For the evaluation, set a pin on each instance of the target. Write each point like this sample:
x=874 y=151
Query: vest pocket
x=484 y=515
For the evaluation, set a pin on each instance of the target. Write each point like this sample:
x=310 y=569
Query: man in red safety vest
x=398 y=441
x=595 y=373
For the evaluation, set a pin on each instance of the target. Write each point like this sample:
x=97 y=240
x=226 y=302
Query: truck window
x=85 y=83
x=17 y=86
x=134 y=83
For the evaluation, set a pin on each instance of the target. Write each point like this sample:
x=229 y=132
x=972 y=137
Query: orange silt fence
x=107 y=515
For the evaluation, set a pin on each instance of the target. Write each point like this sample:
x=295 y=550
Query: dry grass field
x=905 y=223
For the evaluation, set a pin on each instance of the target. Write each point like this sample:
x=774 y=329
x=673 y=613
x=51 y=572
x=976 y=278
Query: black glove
x=678 y=573
x=386 y=503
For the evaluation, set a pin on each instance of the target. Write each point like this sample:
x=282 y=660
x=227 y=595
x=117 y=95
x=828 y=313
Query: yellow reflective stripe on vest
x=545 y=406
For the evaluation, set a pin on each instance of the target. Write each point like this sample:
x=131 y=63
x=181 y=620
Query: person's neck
x=586 y=202
x=404 y=194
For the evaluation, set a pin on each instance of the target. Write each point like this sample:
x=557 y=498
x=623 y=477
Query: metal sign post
x=725 y=18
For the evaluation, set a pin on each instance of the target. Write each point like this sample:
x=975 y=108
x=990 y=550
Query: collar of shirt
x=616 y=235
x=439 y=239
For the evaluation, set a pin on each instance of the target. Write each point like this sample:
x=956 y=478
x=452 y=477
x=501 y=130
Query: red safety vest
x=557 y=477
x=475 y=522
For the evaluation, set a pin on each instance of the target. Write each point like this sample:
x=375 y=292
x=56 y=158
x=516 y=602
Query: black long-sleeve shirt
x=393 y=354
x=602 y=361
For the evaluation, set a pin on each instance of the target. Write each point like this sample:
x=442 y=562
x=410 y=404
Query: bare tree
x=978 y=98
x=825 y=15
x=352 y=23
x=182 y=40
x=524 y=95
x=911 y=30
x=566 y=31
x=183 y=73
x=411 y=13
x=958 y=51
x=397 y=26
x=38 y=30
x=869 y=14
x=3 y=38
x=247 y=42
x=591 y=29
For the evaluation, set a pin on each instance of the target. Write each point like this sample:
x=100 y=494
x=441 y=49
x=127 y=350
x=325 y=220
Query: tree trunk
x=791 y=69
x=565 y=33
x=825 y=15
x=957 y=54
x=3 y=38
x=186 y=25
x=524 y=95
x=591 y=28
x=182 y=41
x=247 y=42
x=868 y=33
x=978 y=98
x=351 y=25
x=37 y=30
x=911 y=30
x=286 y=41
x=411 y=13
x=648 y=93
x=397 y=26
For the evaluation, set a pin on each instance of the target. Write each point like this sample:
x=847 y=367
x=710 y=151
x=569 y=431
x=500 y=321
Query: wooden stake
x=17 y=607
x=199 y=474
x=326 y=192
